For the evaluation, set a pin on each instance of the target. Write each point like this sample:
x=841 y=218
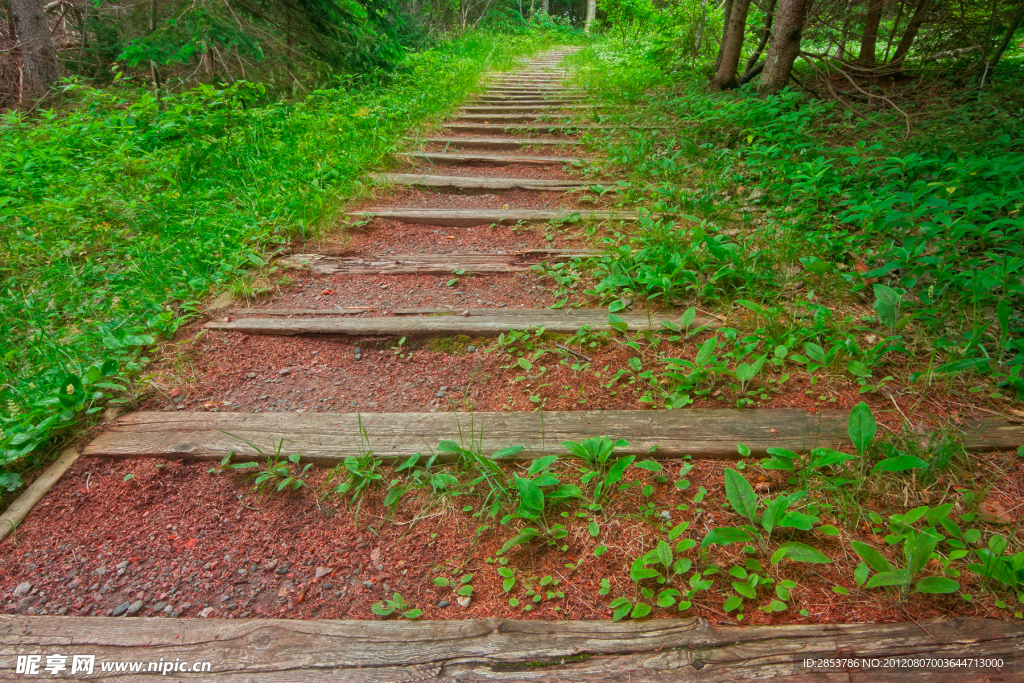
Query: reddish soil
x=188 y=543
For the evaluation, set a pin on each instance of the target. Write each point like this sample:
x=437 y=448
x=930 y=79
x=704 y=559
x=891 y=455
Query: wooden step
x=429 y=264
x=525 y=109
x=455 y=183
x=328 y=438
x=539 y=127
x=537 y=90
x=492 y=159
x=557 y=117
x=498 y=143
x=467 y=218
x=493 y=649
x=525 y=100
x=486 y=323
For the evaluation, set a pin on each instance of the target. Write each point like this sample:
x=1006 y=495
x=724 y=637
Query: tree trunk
x=991 y=62
x=726 y=12
x=785 y=45
x=39 y=66
x=546 y=7
x=766 y=31
x=895 y=26
x=699 y=42
x=725 y=76
x=870 y=37
x=920 y=12
x=591 y=15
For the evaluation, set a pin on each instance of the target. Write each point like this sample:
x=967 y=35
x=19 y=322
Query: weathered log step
x=492 y=159
x=525 y=108
x=525 y=100
x=567 y=128
x=328 y=438
x=531 y=82
x=499 y=143
x=492 y=649
x=538 y=90
x=448 y=182
x=556 y=117
x=467 y=218
x=428 y=264
x=486 y=323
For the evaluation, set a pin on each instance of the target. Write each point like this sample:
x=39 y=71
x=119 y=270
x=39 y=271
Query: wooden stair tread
x=499 y=143
x=558 y=117
x=500 y=159
x=485 y=127
x=472 y=217
x=484 y=322
x=426 y=264
x=327 y=438
x=523 y=108
x=480 y=182
x=495 y=649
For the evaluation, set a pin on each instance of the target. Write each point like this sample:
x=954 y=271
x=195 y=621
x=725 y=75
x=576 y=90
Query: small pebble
x=135 y=607
x=22 y=589
x=121 y=609
x=251 y=375
x=470 y=348
x=284 y=371
x=443 y=604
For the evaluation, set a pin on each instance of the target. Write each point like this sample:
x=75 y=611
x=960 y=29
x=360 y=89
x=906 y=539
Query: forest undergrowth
x=837 y=246
x=122 y=211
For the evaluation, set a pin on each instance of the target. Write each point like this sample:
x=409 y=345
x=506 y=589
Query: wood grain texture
x=326 y=438
x=499 y=143
x=525 y=99
x=523 y=108
x=23 y=504
x=555 y=117
x=485 y=322
x=656 y=651
x=306 y=311
x=465 y=218
x=427 y=264
x=546 y=127
x=990 y=434
x=449 y=159
x=450 y=182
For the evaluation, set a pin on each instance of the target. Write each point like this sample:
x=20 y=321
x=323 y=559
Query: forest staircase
x=534 y=108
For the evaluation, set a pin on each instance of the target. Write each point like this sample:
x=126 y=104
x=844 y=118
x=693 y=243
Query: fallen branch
x=575 y=353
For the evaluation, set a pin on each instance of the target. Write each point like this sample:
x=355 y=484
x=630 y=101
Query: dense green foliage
x=120 y=212
x=790 y=192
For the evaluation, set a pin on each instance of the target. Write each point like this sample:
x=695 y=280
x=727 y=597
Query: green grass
x=118 y=214
x=801 y=214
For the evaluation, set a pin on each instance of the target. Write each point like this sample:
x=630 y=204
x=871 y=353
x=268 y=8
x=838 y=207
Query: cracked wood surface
x=327 y=438
x=429 y=264
x=492 y=159
x=484 y=322
x=499 y=143
x=449 y=182
x=468 y=218
x=656 y=651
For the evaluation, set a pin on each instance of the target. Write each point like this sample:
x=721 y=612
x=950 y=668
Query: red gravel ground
x=187 y=543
